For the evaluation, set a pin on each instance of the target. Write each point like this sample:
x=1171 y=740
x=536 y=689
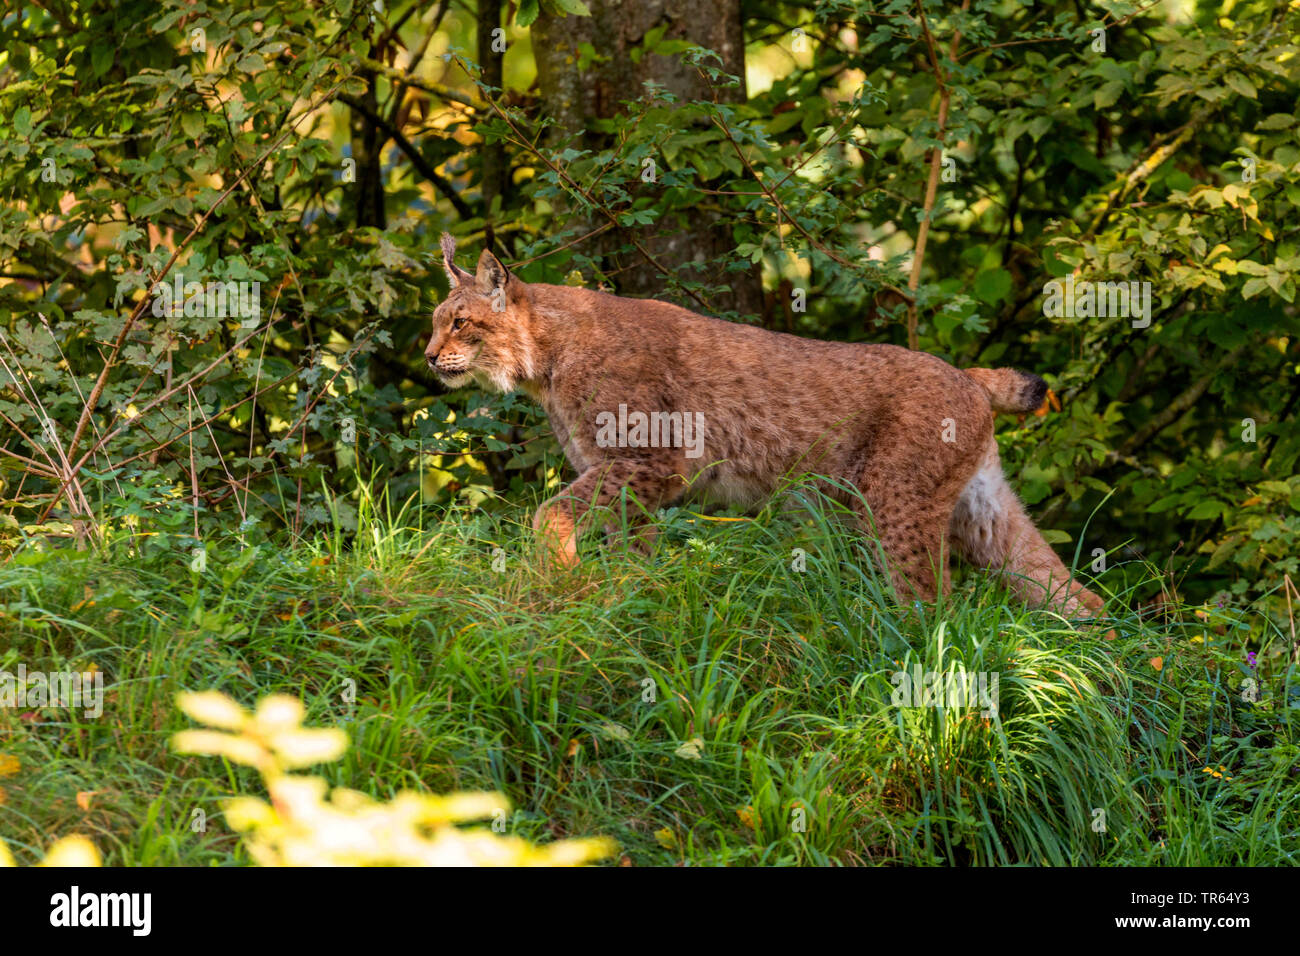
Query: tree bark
x=493 y=171
x=681 y=242
x=367 y=140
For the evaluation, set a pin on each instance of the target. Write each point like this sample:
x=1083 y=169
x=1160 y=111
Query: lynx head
x=482 y=330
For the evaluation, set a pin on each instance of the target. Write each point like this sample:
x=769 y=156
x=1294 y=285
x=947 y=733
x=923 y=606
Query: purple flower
x=1250 y=659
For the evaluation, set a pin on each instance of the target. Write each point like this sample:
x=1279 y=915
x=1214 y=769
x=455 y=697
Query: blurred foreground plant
x=305 y=824
x=70 y=851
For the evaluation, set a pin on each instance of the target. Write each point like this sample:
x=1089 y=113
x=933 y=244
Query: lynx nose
x=432 y=359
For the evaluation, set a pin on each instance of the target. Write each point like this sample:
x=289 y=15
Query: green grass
x=708 y=705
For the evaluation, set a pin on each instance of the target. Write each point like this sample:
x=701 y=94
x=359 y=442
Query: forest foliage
x=916 y=173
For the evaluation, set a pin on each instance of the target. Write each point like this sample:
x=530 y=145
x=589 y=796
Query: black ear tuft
x=454 y=275
x=491 y=273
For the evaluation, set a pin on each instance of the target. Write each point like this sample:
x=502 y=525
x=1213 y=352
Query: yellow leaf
x=716 y=517
x=72 y=851
x=84 y=798
x=247 y=813
x=1158 y=663
x=460 y=807
x=213 y=708
x=9 y=765
x=613 y=731
x=215 y=743
x=693 y=749
x=87 y=599
x=302 y=748
x=666 y=838
x=578 y=851
x=298 y=797
x=279 y=712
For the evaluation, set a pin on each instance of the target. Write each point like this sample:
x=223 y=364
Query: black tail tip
x=1035 y=389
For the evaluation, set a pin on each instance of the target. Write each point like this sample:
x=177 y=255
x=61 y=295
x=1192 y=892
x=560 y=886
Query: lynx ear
x=454 y=275
x=492 y=274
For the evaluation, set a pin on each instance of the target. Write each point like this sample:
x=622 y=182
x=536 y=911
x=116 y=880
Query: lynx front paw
x=557 y=535
x=1085 y=604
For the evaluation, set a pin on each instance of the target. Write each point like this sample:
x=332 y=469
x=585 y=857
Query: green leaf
x=1107 y=95
x=1055 y=263
x=1276 y=121
x=1165 y=503
x=1253 y=287
x=1240 y=85
x=527 y=13
x=992 y=285
x=1223 y=551
x=101 y=57
x=784 y=121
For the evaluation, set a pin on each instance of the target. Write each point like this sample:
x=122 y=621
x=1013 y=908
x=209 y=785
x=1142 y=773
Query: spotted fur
x=913 y=434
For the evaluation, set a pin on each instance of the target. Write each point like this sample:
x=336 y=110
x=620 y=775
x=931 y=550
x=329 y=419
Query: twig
x=413 y=154
x=770 y=193
x=936 y=160
x=102 y=380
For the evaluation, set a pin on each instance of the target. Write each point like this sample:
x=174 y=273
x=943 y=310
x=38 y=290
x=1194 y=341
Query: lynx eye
x=457 y=323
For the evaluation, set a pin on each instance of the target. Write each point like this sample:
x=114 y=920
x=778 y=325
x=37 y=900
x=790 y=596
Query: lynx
x=666 y=404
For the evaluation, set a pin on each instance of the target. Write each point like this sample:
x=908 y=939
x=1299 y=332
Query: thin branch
x=419 y=162
x=936 y=159
x=102 y=380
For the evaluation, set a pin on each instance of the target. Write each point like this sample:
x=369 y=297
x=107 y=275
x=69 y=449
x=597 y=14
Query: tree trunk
x=574 y=99
x=493 y=173
x=366 y=143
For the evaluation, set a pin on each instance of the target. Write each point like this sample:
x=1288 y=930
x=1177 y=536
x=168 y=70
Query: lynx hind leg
x=989 y=528
x=910 y=529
